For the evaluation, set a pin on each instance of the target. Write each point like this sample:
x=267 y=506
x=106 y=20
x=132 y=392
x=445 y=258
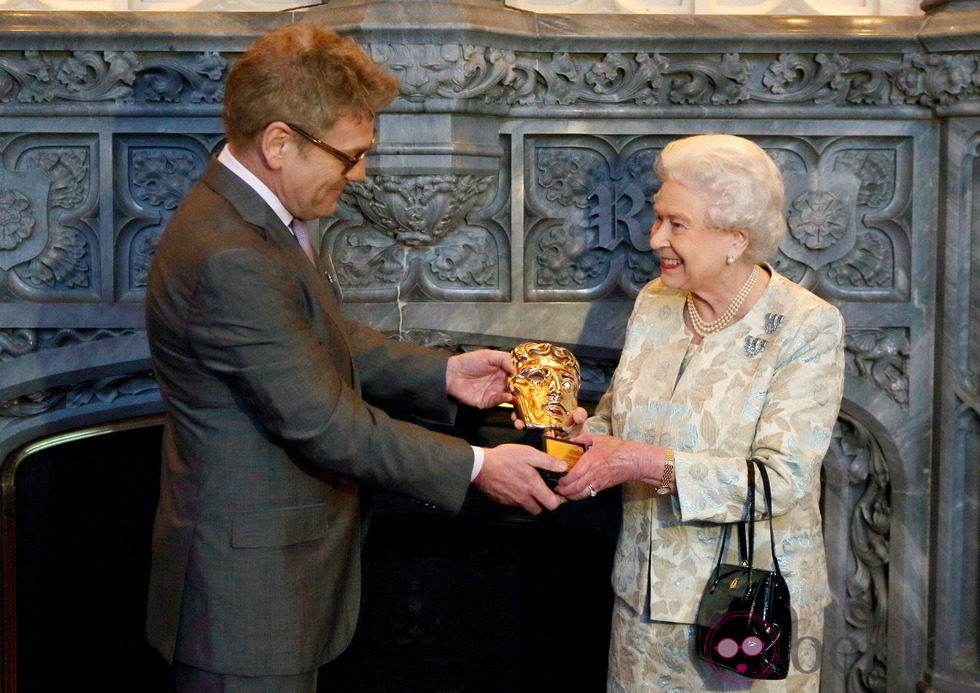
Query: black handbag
x=744 y=623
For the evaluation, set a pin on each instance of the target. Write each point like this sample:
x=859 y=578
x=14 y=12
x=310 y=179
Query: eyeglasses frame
x=349 y=161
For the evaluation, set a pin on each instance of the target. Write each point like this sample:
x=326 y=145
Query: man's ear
x=276 y=141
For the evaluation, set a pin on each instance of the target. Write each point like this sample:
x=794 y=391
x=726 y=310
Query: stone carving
x=505 y=77
x=878 y=112
x=109 y=389
x=88 y=76
x=520 y=78
x=421 y=210
x=142 y=250
x=863 y=650
x=414 y=232
x=589 y=214
x=939 y=79
x=424 y=71
x=883 y=356
x=194 y=79
x=32 y=404
x=870 y=265
x=569 y=175
x=79 y=76
x=158 y=172
x=841 y=238
x=79 y=395
x=17 y=218
x=840 y=80
x=18 y=342
x=21 y=341
x=589 y=218
x=818 y=220
x=161 y=177
x=875 y=171
x=43 y=253
x=513 y=78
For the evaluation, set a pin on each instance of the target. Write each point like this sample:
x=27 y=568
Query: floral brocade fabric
x=767 y=386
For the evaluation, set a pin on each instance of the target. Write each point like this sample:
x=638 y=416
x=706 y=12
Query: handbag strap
x=768 y=509
x=746 y=547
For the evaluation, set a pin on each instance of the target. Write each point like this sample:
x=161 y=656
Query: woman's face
x=692 y=254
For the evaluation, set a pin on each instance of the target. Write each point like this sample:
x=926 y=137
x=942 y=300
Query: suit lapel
x=267 y=224
x=249 y=205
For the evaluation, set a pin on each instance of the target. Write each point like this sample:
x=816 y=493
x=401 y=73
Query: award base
x=564 y=450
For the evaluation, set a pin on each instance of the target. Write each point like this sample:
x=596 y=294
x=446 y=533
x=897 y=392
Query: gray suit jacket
x=256 y=545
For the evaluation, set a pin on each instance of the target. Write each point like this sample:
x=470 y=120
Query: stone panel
x=955 y=484
x=49 y=199
x=155 y=172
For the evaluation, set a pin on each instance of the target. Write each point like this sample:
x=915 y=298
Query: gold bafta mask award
x=545 y=389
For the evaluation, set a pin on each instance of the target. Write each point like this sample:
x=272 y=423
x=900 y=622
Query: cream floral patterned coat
x=767 y=386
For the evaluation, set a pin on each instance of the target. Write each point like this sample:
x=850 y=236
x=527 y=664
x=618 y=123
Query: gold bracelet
x=667 y=478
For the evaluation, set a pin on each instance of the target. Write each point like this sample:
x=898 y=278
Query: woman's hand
x=608 y=462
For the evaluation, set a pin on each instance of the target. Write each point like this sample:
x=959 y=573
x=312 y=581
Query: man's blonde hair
x=304 y=74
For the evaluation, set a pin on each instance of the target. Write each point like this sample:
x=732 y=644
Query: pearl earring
x=730 y=260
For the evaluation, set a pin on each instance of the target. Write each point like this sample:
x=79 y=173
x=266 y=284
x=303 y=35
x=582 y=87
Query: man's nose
x=359 y=172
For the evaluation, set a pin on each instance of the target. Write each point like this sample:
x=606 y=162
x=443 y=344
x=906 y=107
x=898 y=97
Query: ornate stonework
x=510 y=200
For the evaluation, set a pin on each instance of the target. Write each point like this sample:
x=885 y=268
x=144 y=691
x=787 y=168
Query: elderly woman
x=724 y=360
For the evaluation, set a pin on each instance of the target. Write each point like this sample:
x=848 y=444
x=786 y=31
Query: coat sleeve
x=401 y=376
x=601 y=420
x=252 y=324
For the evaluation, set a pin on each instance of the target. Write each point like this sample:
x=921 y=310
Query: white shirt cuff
x=477 y=462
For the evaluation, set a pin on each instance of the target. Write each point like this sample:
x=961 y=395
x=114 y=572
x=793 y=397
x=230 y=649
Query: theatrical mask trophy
x=545 y=390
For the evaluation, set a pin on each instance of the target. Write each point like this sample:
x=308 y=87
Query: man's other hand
x=510 y=476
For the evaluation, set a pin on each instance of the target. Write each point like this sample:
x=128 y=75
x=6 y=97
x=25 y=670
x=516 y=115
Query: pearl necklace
x=702 y=328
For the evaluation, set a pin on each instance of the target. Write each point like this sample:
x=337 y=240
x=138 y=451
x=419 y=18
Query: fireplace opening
x=78 y=512
x=490 y=599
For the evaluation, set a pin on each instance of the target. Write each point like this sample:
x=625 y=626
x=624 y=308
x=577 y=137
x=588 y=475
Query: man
x=256 y=548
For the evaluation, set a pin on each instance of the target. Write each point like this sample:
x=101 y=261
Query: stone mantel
x=509 y=199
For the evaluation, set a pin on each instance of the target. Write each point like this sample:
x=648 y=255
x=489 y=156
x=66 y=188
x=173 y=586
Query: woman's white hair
x=743 y=186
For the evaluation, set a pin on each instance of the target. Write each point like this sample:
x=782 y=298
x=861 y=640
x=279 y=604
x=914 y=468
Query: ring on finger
x=592 y=491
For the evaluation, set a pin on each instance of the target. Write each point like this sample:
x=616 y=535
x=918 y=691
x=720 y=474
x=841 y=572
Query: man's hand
x=479 y=378
x=509 y=477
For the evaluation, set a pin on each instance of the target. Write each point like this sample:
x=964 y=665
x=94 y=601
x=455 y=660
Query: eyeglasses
x=348 y=160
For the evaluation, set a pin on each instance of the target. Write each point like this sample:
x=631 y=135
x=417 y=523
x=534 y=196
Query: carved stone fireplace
x=510 y=200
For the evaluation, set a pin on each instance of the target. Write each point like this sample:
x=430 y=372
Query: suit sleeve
x=401 y=376
x=251 y=325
